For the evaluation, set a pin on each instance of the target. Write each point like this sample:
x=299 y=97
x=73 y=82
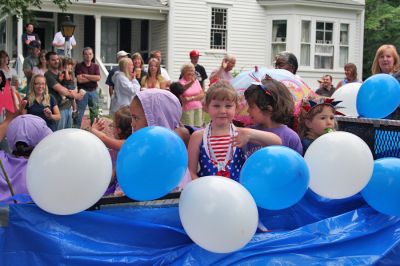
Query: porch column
x=97 y=39
x=9 y=37
x=170 y=38
x=19 y=49
x=20 y=30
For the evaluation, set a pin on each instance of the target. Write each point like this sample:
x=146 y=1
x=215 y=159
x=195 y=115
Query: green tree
x=22 y=8
x=382 y=26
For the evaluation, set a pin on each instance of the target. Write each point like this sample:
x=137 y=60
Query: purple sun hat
x=161 y=108
x=30 y=129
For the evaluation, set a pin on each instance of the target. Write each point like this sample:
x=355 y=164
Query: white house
x=323 y=34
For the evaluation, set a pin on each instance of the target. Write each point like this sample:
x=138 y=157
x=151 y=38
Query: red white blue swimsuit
x=230 y=167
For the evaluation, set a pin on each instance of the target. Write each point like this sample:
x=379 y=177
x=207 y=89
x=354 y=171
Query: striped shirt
x=220 y=145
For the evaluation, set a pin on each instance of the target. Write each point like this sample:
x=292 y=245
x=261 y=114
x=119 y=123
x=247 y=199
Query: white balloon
x=68 y=171
x=348 y=95
x=218 y=214
x=340 y=165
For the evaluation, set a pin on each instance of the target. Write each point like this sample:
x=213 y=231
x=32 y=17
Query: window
x=109 y=39
x=324 y=48
x=278 y=37
x=305 y=43
x=344 y=45
x=218 y=28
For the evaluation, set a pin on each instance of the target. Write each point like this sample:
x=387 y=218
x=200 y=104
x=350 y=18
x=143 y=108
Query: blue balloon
x=151 y=163
x=277 y=177
x=383 y=190
x=378 y=96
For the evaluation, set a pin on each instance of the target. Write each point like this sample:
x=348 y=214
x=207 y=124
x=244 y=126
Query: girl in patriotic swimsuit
x=218 y=147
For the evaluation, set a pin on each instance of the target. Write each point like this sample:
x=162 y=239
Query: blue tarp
x=315 y=231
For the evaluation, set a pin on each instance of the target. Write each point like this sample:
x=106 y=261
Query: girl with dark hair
x=271 y=108
x=121 y=130
x=9 y=73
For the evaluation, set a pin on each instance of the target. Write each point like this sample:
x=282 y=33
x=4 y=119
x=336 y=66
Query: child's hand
x=77 y=95
x=98 y=124
x=241 y=138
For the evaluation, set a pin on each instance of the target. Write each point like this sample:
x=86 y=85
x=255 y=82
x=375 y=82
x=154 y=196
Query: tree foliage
x=22 y=8
x=382 y=26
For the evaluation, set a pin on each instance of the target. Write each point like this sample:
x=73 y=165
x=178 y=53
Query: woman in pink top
x=191 y=97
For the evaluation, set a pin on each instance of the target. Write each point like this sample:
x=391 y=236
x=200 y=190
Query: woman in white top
x=125 y=85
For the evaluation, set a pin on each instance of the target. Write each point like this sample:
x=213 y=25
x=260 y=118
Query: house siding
x=182 y=25
x=250 y=33
x=294 y=16
x=192 y=31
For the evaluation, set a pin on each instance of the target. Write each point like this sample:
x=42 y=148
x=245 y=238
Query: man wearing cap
x=201 y=73
x=109 y=82
x=28 y=37
x=88 y=74
x=31 y=61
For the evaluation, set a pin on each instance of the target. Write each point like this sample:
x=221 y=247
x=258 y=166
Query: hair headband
x=308 y=105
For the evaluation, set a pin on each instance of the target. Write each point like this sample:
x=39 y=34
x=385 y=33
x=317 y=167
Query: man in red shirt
x=87 y=75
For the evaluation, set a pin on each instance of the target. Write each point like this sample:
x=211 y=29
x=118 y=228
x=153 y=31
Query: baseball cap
x=30 y=129
x=194 y=53
x=34 y=44
x=122 y=53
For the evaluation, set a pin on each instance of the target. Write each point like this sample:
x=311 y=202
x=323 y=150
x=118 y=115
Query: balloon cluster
x=70 y=170
x=221 y=215
x=370 y=99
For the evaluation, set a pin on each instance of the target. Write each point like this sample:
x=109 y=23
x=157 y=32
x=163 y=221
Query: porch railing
x=103 y=88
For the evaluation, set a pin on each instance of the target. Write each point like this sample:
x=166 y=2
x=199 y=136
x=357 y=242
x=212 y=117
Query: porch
x=133 y=26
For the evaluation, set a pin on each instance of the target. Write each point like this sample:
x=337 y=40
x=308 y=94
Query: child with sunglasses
x=271 y=108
